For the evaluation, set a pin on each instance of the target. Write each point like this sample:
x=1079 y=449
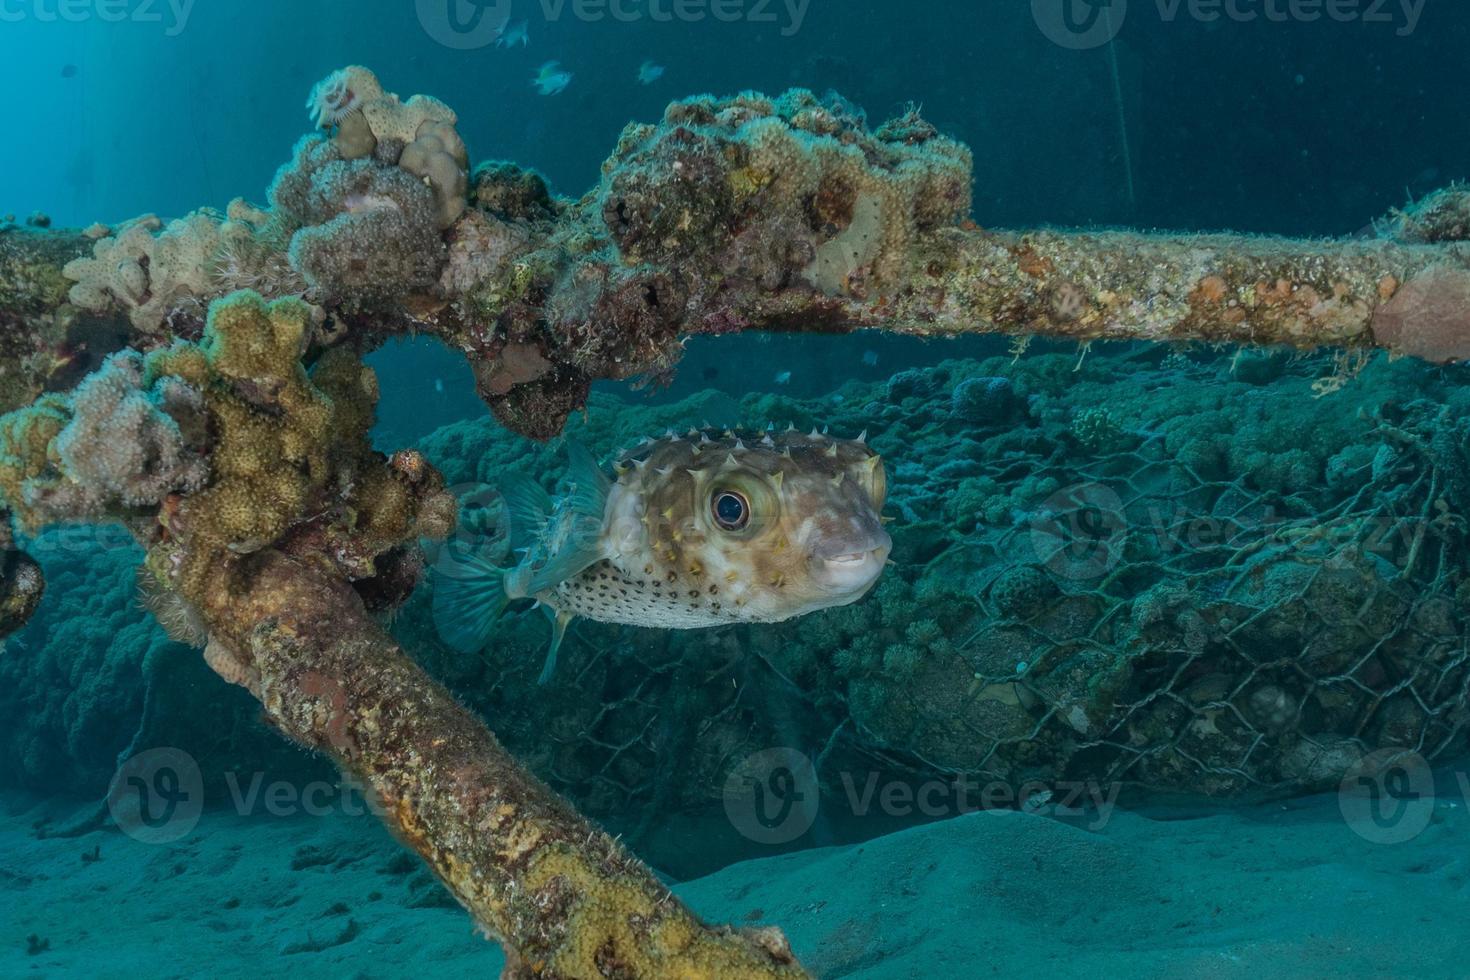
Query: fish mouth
x=853 y=571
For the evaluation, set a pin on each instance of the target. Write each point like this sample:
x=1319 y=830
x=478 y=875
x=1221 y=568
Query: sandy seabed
x=1270 y=890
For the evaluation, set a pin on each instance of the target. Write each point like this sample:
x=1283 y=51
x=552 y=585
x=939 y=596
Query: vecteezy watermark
x=1084 y=24
x=464 y=25
x=1079 y=24
x=773 y=796
x=1083 y=531
x=471 y=24
x=157 y=796
x=318 y=798
x=173 y=15
x=1388 y=796
x=961 y=794
x=1078 y=532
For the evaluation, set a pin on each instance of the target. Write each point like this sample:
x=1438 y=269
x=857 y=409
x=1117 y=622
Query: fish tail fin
x=559 y=621
x=469 y=596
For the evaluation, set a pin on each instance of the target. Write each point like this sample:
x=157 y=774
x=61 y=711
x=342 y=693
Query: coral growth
x=159 y=273
x=782 y=189
x=363 y=233
x=234 y=444
x=1443 y=216
x=366 y=209
x=287 y=445
x=116 y=442
x=720 y=208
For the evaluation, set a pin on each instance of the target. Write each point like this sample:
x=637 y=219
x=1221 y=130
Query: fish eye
x=731 y=510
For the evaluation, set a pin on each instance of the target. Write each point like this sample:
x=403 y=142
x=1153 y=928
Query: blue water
x=1260 y=116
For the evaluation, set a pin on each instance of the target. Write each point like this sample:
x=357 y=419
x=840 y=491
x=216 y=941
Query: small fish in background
x=68 y=71
x=513 y=33
x=701 y=530
x=648 y=73
x=552 y=79
x=784 y=378
x=439 y=385
x=870 y=358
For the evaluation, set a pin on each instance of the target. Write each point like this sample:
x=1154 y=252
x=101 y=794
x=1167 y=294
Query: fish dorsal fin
x=590 y=485
x=583 y=512
x=527 y=508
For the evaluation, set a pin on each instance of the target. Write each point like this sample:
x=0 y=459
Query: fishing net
x=1188 y=573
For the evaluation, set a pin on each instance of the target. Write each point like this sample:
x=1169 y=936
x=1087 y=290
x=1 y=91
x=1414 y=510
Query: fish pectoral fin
x=559 y=621
x=469 y=596
x=583 y=549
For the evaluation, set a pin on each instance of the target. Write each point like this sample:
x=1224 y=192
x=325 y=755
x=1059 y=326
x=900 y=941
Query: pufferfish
x=696 y=531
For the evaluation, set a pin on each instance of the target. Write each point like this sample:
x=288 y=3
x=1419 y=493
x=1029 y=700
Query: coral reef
x=1151 y=658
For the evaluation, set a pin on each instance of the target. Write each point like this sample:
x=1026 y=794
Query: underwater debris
x=730 y=214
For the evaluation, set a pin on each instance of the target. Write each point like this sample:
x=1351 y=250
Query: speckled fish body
x=698 y=530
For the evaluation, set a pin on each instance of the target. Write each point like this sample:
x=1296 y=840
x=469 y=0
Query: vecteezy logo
x=156 y=796
x=772 y=797
x=463 y=24
x=1079 y=531
x=1080 y=24
x=1388 y=797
